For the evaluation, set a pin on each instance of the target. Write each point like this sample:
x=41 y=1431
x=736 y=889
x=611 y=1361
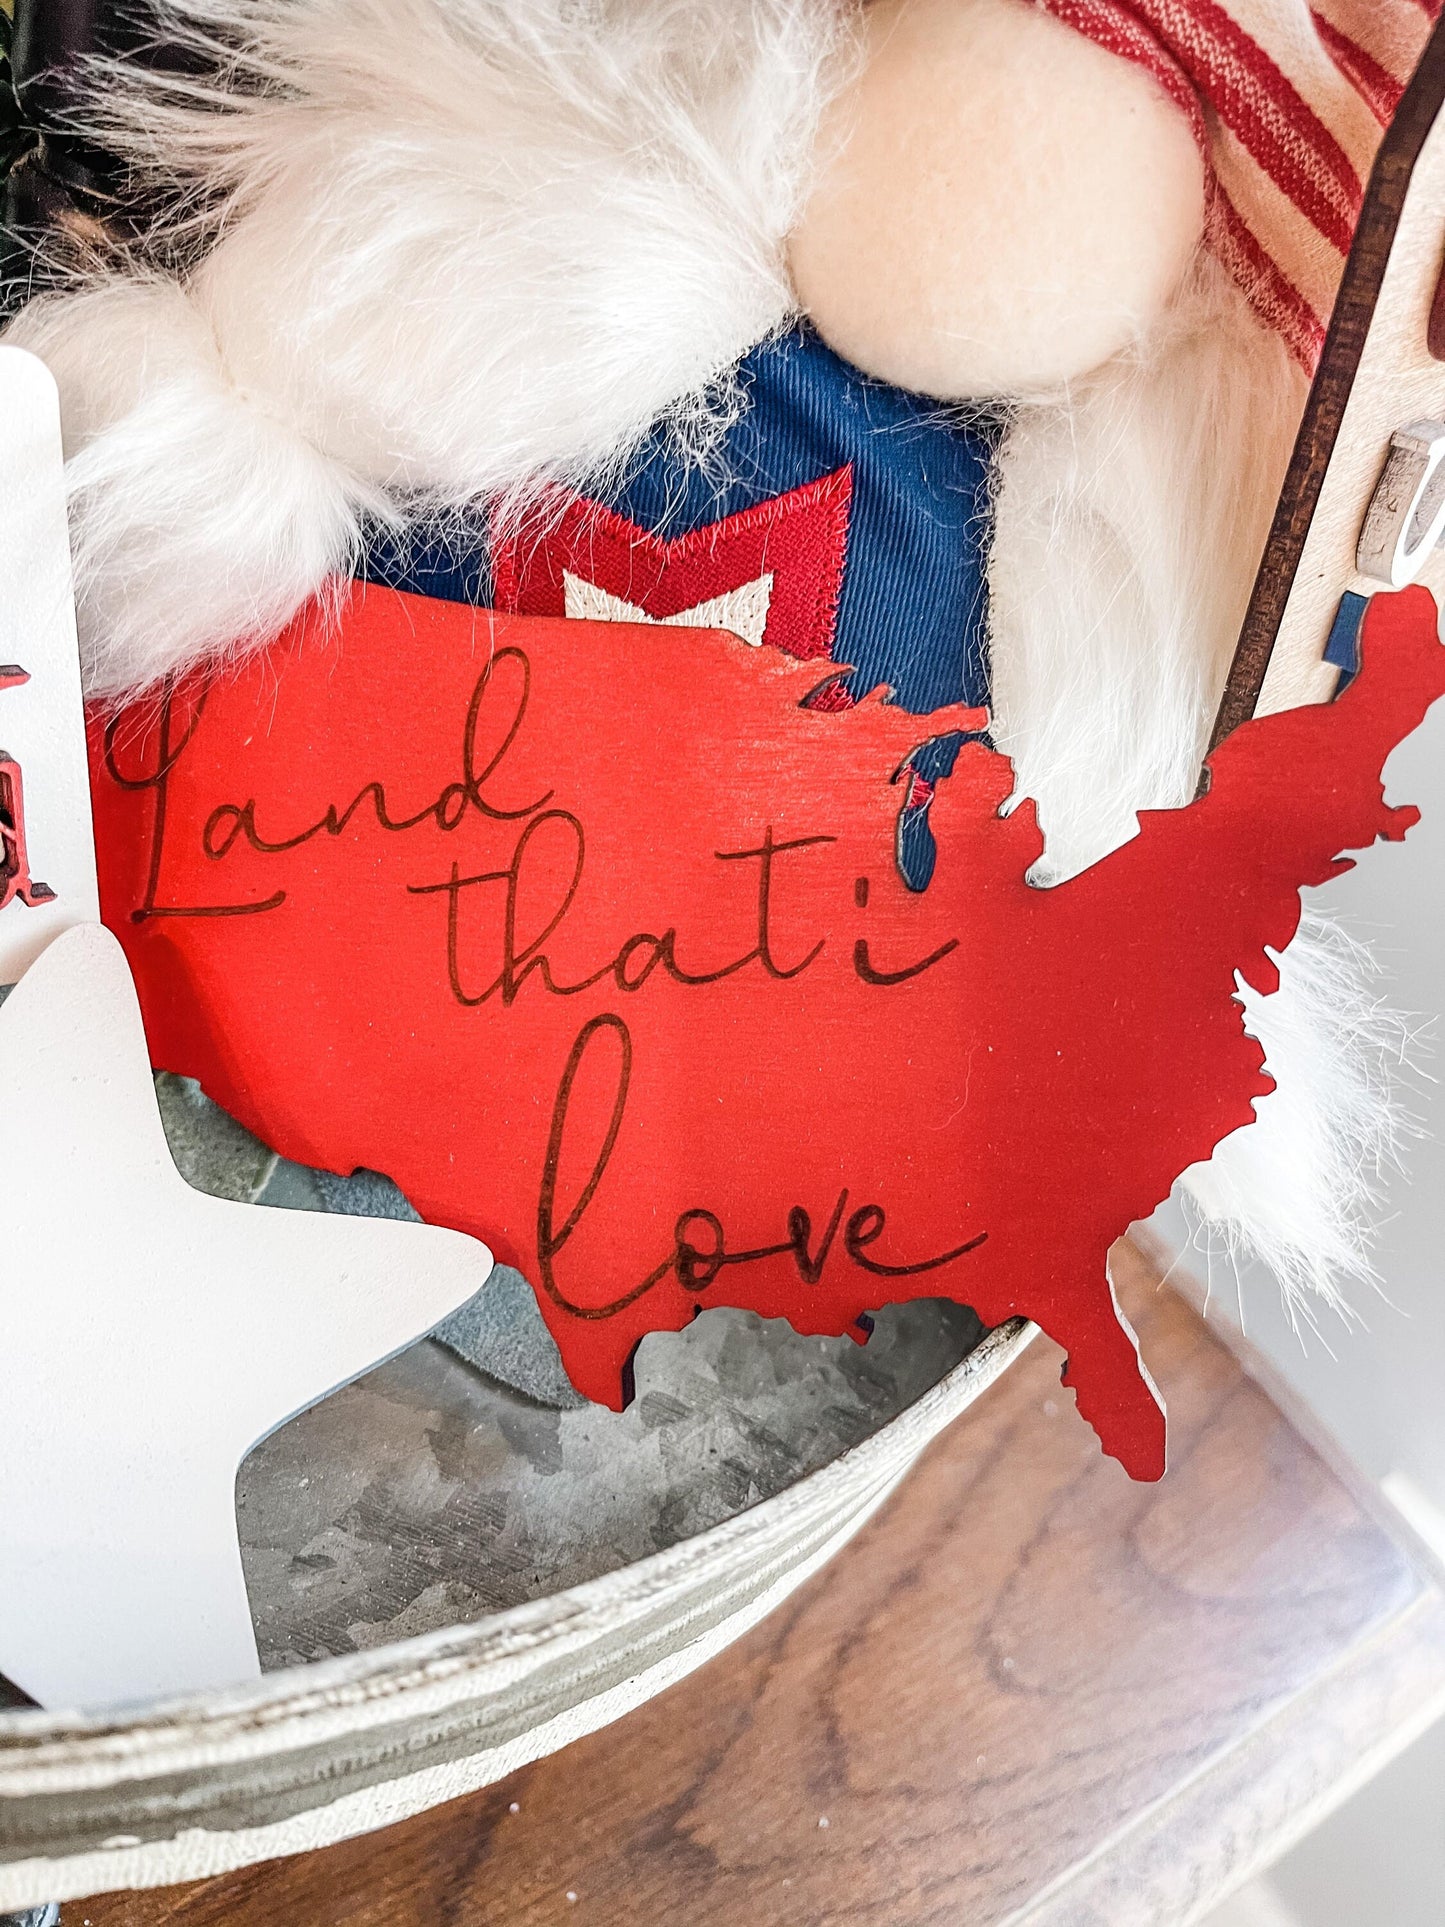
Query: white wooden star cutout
x=149 y=1336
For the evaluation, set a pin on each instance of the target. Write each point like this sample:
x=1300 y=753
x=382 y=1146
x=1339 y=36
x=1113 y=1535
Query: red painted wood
x=592 y=938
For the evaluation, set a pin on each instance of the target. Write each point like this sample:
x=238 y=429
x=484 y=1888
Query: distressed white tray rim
x=189 y=1788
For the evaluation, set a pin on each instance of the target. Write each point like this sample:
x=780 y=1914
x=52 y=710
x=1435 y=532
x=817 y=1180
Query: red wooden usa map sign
x=593 y=939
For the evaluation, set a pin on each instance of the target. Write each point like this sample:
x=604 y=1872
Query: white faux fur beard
x=1131 y=514
x=448 y=249
x=460 y=247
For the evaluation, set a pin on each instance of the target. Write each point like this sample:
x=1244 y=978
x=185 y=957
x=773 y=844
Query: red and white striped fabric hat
x=1288 y=100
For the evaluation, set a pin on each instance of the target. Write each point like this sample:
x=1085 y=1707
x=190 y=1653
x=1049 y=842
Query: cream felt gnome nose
x=1001 y=204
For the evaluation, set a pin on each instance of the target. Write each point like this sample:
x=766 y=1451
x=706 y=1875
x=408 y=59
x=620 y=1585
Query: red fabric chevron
x=800 y=538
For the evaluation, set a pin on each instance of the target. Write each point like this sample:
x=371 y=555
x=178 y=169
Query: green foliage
x=15 y=136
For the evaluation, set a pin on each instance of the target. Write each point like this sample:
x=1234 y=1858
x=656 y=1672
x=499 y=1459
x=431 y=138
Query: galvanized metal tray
x=456 y=1566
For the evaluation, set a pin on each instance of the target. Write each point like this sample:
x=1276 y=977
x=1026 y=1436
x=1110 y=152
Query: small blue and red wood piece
x=15 y=877
x=400 y=894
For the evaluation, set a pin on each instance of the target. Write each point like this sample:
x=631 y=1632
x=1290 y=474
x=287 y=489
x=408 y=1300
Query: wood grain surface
x=1029 y=1690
